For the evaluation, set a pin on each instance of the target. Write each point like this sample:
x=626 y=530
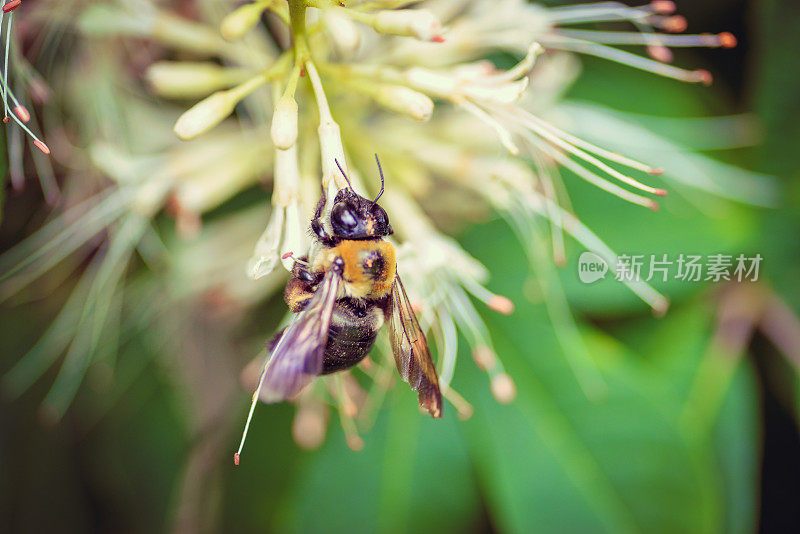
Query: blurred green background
x=693 y=435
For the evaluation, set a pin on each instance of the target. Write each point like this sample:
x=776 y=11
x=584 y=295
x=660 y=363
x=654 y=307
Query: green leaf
x=557 y=461
x=413 y=474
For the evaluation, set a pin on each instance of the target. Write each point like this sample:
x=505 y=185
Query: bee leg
x=300 y=288
x=324 y=237
x=317 y=226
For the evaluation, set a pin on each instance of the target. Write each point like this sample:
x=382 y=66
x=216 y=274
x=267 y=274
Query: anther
x=22 y=112
x=503 y=388
x=41 y=146
x=11 y=6
x=727 y=40
x=666 y=7
x=674 y=24
x=501 y=304
x=703 y=76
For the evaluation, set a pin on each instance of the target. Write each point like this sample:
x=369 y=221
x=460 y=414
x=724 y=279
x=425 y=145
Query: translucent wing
x=297 y=357
x=411 y=352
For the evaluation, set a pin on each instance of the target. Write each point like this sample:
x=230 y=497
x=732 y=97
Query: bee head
x=356 y=217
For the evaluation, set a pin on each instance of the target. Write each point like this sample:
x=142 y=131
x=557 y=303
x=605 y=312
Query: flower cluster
x=287 y=88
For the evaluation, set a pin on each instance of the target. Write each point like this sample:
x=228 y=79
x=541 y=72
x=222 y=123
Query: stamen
x=463 y=408
x=502 y=131
x=254 y=400
x=725 y=39
x=535 y=124
x=600 y=12
x=602 y=152
x=7 y=46
x=545 y=172
x=498 y=303
x=347 y=412
x=594 y=179
x=446 y=344
x=626 y=58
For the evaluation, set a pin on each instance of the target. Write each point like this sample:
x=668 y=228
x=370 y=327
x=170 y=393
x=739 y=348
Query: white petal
x=295 y=239
x=266 y=253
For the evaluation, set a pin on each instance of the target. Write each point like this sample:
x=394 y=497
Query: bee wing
x=411 y=353
x=297 y=357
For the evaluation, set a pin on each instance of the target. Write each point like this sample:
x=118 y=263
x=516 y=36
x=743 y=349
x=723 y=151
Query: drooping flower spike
x=325 y=83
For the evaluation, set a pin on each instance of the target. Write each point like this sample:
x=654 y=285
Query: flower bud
x=214 y=109
x=241 y=20
x=419 y=23
x=184 y=79
x=204 y=115
x=331 y=150
x=343 y=33
x=284 y=123
x=404 y=100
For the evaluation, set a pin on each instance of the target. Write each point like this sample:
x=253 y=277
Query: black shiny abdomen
x=347 y=345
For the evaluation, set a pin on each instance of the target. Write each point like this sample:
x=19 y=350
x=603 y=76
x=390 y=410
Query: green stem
x=297 y=16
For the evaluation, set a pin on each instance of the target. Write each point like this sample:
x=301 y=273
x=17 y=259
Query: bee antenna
x=343 y=174
x=380 y=171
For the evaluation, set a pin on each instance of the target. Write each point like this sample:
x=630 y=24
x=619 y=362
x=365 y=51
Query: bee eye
x=343 y=218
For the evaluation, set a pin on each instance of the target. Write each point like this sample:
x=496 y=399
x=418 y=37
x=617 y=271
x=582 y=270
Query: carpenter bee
x=342 y=297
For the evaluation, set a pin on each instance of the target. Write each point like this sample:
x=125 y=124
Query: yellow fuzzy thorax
x=369 y=267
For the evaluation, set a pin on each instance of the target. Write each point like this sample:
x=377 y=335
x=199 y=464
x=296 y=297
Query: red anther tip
x=663 y=6
x=501 y=304
x=655 y=171
x=11 y=6
x=660 y=192
x=727 y=40
x=653 y=205
x=235 y=458
x=41 y=146
x=703 y=76
x=302 y=71
x=675 y=24
x=22 y=113
x=6 y=119
x=438 y=39
x=660 y=53
x=287 y=255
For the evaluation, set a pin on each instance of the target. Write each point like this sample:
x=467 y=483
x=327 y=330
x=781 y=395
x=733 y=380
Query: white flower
x=285 y=236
